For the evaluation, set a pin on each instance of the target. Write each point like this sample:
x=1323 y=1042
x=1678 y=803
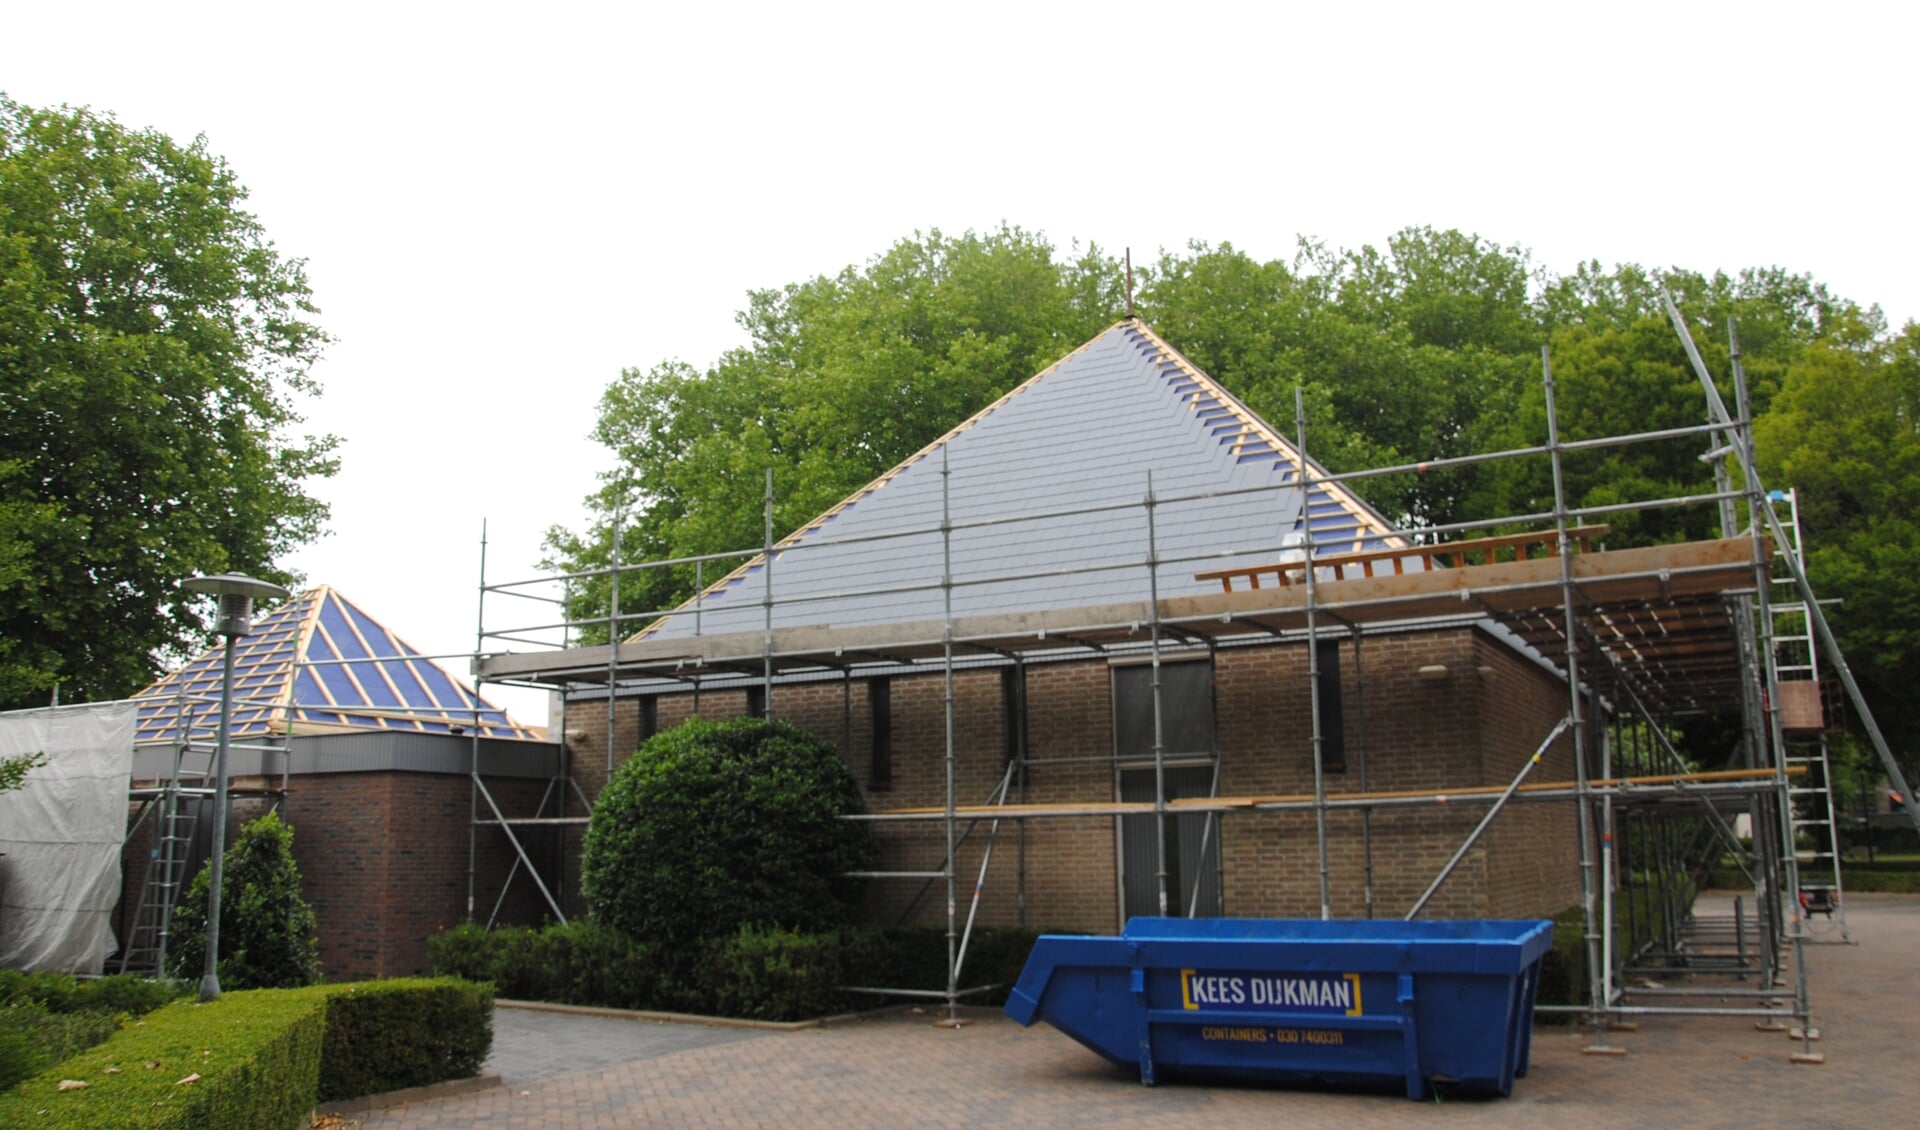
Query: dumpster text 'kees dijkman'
x=1240 y=992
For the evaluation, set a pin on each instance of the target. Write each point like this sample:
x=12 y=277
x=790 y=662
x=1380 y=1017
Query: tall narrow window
x=1333 y=727
x=757 y=701
x=880 y=705
x=1013 y=697
x=1192 y=840
x=649 y=717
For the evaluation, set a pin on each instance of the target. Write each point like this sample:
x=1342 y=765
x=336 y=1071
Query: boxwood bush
x=262 y=1058
x=249 y=1060
x=387 y=1035
x=47 y=1017
x=714 y=826
x=760 y=973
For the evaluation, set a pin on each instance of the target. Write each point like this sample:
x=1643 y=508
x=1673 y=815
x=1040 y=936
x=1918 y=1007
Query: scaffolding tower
x=1638 y=637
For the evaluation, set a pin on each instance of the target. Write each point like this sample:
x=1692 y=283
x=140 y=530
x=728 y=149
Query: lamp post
x=237 y=594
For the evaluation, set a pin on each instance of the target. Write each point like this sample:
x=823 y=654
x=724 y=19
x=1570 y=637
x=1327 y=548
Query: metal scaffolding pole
x=951 y=865
x=1313 y=658
x=1473 y=837
x=473 y=750
x=1815 y=616
x=1159 y=727
x=766 y=599
x=613 y=633
x=1596 y=989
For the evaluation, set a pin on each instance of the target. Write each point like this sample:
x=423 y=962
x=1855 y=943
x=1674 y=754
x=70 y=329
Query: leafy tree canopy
x=153 y=345
x=844 y=376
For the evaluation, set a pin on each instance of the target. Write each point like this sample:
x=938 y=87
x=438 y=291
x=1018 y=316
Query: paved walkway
x=899 y=1070
x=530 y=1045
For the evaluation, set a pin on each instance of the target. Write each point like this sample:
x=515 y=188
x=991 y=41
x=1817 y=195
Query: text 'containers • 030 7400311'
x=1345 y=1003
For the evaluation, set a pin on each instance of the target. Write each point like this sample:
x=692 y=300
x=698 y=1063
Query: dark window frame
x=880 y=712
x=1333 y=720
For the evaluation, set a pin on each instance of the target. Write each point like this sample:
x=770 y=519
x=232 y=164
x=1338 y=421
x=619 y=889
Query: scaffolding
x=286 y=693
x=1638 y=637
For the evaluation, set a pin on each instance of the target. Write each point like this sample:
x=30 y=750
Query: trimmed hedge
x=253 y=1056
x=263 y=1057
x=757 y=973
x=33 y=1039
x=386 y=1035
x=63 y=992
x=47 y=1017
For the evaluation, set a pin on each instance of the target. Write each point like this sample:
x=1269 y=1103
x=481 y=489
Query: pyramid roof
x=318 y=663
x=1043 y=491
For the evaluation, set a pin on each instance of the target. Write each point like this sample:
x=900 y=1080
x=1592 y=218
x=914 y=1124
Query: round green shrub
x=266 y=926
x=715 y=826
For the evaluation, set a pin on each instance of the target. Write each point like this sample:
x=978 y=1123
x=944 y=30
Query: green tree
x=266 y=927
x=844 y=376
x=153 y=345
x=1844 y=433
x=715 y=826
x=1411 y=354
x=1619 y=369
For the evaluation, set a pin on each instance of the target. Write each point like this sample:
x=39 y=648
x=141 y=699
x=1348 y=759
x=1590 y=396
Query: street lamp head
x=237 y=594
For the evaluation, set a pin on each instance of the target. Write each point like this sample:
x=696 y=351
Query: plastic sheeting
x=61 y=835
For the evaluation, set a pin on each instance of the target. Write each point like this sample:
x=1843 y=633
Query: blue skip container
x=1343 y=1003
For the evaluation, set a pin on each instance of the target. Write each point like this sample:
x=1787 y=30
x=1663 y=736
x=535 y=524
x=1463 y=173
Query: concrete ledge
x=690 y=1018
x=443 y=1090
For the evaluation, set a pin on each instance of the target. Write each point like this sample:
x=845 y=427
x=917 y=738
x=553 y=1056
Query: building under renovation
x=373 y=753
x=1115 y=646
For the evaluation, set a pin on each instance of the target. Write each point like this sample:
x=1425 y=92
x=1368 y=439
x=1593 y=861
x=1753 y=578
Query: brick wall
x=1472 y=726
x=1532 y=847
x=383 y=862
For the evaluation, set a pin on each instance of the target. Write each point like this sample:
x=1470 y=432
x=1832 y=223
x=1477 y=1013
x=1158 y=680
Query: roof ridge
x=1250 y=420
x=279 y=651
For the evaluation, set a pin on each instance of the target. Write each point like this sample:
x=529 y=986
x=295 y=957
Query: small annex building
x=375 y=755
x=1064 y=566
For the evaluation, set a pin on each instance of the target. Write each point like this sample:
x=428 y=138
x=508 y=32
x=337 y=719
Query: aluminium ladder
x=1796 y=661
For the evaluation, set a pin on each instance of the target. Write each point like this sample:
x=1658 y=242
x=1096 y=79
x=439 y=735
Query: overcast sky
x=502 y=206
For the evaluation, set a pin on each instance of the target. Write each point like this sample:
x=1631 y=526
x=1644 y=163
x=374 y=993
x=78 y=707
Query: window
x=1186 y=710
x=1333 y=727
x=880 y=707
x=757 y=700
x=1013 y=697
x=1193 y=848
x=1187 y=739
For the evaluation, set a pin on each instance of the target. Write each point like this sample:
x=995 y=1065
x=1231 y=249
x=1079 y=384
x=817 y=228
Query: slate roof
x=318 y=663
x=1083 y=435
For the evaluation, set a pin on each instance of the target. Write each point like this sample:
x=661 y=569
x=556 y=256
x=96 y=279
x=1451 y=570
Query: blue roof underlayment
x=317 y=662
x=1082 y=436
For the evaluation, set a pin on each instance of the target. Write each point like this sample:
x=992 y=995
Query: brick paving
x=900 y=1070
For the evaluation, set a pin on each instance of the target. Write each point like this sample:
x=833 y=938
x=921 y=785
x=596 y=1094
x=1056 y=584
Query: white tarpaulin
x=61 y=835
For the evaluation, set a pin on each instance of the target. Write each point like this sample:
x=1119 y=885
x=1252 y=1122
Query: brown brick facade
x=1473 y=725
x=383 y=862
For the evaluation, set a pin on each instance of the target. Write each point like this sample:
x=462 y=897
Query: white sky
x=501 y=206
